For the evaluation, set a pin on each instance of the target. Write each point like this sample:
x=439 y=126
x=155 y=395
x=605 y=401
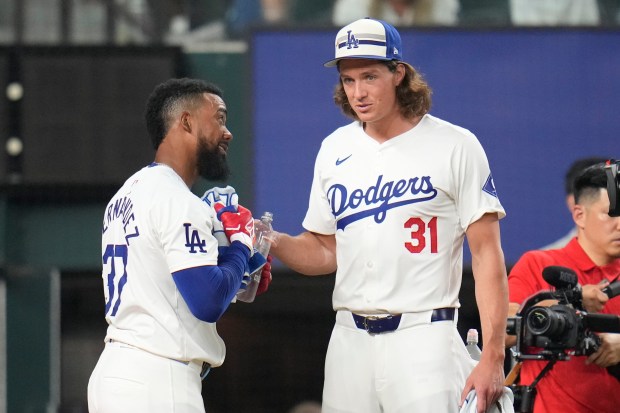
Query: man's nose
x=227 y=134
x=359 y=91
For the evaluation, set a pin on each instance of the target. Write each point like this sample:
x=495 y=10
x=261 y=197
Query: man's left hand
x=608 y=353
x=488 y=380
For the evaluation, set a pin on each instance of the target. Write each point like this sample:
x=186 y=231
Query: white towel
x=505 y=404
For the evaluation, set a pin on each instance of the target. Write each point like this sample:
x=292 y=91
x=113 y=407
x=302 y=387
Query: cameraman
x=581 y=384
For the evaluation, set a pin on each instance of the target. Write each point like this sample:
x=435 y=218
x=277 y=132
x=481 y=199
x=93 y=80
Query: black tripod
x=525 y=395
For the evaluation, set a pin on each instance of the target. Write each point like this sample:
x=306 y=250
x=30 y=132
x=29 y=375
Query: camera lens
x=545 y=321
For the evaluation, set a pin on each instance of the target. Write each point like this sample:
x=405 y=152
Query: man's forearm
x=306 y=253
x=492 y=300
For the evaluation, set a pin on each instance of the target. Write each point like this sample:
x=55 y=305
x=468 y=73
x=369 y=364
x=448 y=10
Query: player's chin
x=366 y=116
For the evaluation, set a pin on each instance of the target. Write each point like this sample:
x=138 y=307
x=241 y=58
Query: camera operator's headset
x=613 y=187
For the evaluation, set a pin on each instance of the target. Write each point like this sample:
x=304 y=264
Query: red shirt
x=571 y=386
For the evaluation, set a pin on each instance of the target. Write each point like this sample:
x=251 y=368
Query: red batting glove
x=265 y=277
x=237 y=222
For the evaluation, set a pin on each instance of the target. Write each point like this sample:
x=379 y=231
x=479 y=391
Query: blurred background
x=538 y=81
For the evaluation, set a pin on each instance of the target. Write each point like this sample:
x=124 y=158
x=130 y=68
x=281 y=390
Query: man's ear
x=185 y=122
x=400 y=73
x=579 y=212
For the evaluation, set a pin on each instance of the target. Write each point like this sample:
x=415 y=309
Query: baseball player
x=165 y=284
x=394 y=194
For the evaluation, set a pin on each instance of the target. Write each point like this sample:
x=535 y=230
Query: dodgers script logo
x=352 y=41
x=381 y=197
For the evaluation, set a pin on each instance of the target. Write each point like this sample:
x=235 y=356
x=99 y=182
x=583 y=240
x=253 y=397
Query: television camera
x=557 y=332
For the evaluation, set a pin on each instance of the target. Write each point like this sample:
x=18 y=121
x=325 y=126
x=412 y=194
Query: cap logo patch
x=352 y=42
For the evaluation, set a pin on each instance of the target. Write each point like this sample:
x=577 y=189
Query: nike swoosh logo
x=339 y=161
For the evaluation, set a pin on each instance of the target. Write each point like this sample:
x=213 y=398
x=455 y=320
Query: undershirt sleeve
x=209 y=289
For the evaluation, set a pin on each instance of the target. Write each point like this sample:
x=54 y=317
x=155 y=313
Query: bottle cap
x=472 y=335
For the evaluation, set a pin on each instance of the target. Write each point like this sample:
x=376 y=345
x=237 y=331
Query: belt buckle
x=373 y=318
x=366 y=327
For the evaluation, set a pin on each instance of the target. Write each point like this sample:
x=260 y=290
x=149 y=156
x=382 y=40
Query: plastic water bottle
x=262 y=230
x=472 y=344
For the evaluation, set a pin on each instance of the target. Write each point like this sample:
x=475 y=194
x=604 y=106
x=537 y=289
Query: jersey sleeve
x=475 y=191
x=319 y=217
x=183 y=225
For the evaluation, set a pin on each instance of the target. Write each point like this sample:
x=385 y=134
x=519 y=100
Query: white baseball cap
x=367 y=39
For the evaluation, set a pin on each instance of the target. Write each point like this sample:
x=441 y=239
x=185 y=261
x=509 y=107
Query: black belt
x=378 y=325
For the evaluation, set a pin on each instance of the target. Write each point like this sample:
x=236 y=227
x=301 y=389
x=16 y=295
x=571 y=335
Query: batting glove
x=237 y=222
x=265 y=277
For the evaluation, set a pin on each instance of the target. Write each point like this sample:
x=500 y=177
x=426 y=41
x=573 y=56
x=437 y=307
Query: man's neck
x=384 y=131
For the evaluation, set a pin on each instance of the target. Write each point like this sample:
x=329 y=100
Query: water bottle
x=472 y=344
x=263 y=230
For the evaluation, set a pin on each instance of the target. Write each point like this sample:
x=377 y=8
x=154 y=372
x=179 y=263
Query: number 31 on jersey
x=423 y=235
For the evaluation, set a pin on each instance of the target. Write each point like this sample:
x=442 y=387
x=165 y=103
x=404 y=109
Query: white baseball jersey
x=152 y=227
x=399 y=211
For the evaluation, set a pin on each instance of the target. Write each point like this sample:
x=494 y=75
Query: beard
x=212 y=164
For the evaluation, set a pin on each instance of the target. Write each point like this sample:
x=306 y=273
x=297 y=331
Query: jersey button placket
x=378 y=163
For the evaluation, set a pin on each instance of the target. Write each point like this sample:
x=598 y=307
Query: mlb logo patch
x=489 y=186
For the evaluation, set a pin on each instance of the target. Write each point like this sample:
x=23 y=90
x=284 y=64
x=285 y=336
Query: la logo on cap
x=352 y=41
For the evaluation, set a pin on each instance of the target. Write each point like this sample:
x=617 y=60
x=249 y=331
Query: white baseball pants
x=420 y=367
x=130 y=380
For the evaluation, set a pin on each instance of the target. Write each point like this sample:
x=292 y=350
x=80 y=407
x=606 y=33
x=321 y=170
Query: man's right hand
x=237 y=222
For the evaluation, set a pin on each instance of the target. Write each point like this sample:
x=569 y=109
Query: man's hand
x=237 y=222
x=608 y=353
x=265 y=277
x=488 y=380
x=593 y=299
